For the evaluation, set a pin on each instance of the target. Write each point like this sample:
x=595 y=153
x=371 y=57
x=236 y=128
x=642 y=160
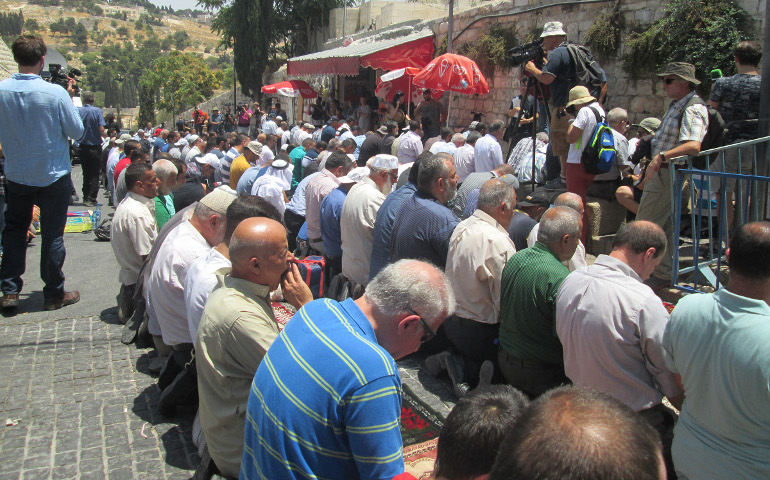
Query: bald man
x=237 y=328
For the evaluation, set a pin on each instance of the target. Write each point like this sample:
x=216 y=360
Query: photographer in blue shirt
x=38 y=172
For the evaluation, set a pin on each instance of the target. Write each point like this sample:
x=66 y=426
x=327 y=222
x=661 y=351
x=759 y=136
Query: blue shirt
x=297 y=202
x=383 y=227
x=331 y=211
x=30 y=106
x=359 y=141
x=247 y=181
x=422 y=230
x=92 y=119
x=325 y=401
x=719 y=344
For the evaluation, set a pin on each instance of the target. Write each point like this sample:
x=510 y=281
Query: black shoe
x=556 y=184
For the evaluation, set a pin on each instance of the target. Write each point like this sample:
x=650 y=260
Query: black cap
x=538 y=198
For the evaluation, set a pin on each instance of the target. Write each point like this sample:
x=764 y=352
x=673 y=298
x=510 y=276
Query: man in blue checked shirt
x=326 y=399
x=38 y=171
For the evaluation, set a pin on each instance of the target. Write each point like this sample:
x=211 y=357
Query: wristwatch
x=662 y=157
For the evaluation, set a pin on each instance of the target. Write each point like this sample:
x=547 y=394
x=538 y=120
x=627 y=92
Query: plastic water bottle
x=96 y=217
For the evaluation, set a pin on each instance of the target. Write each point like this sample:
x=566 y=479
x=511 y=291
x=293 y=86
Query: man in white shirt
x=478 y=251
x=487 y=152
x=133 y=231
x=584 y=108
x=573 y=201
x=165 y=287
x=359 y=213
x=464 y=162
x=410 y=143
x=611 y=326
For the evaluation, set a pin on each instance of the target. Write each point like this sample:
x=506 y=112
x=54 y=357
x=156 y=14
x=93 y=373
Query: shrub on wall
x=701 y=32
x=604 y=35
x=490 y=50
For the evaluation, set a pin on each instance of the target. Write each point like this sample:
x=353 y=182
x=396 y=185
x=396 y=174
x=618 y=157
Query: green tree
x=182 y=80
x=181 y=40
x=80 y=36
x=167 y=44
x=718 y=24
x=246 y=27
x=146 y=105
x=122 y=31
x=31 y=25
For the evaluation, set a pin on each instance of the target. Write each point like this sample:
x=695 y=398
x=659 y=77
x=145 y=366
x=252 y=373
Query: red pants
x=578 y=182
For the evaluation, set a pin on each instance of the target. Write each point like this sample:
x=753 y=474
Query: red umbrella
x=291 y=88
x=454 y=73
x=401 y=80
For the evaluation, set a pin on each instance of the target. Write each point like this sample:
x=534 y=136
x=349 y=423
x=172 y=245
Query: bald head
x=258 y=251
x=571 y=200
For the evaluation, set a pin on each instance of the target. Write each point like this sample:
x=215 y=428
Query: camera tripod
x=537 y=89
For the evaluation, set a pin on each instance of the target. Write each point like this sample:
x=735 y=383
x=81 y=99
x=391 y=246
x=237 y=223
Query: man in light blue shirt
x=91 y=147
x=718 y=343
x=38 y=172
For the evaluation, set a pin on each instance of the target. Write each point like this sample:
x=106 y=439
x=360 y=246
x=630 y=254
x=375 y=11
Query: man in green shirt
x=530 y=354
x=164 y=202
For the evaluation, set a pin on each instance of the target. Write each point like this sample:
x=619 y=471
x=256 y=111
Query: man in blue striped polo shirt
x=326 y=399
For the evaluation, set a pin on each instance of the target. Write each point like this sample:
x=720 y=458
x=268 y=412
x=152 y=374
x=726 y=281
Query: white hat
x=219 y=199
x=209 y=159
x=181 y=142
x=255 y=147
x=552 y=29
x=278 y=118
x=123 y=139
x=355 y=175
x=387 y=162
x=192 y=139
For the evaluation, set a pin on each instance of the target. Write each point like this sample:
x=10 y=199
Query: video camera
x=60 y=76
x=524 y=53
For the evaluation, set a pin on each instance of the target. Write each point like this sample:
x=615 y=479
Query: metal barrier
x=708 y=204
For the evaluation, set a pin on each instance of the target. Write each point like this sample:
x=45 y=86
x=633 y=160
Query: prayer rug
x=283 y=313
x=420 y=427
x=78 y=222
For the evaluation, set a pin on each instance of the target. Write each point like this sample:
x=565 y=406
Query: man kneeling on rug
x=327 y=394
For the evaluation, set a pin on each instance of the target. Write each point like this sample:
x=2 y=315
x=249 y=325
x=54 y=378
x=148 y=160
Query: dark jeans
x=90 y=160
x=530 y=376
x=475 y=341
x=53 y=201
x=293 y=225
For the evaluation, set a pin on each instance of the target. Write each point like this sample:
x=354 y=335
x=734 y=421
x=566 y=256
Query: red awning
x=414 y=50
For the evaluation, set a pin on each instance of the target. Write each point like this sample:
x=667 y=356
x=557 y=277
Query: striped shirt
x=325 y=402
x=225 y=162
x=530 y=283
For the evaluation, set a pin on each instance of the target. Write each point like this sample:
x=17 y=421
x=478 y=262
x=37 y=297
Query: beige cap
x=219 y=199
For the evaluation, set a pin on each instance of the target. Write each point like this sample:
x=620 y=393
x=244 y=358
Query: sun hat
x=683 y=70
x=551 y=29
x=579 y=95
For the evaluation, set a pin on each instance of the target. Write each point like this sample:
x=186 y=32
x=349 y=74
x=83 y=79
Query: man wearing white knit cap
x=359 y=213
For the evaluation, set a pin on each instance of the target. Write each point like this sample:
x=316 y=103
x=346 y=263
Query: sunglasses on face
x=429 y=333
x=669 y=81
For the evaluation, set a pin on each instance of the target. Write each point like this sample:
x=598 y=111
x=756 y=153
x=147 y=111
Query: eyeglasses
x=668 y=81
x=393 y=176
x=429 y=333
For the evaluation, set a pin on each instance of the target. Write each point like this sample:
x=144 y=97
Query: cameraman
x=559 y=74
x=38 y=172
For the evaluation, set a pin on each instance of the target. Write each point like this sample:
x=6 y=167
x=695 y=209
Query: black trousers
x=293 y=225
x=90 y=160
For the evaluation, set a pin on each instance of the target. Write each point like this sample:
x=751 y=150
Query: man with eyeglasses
x=359 y=213
x=681 y=132
x=327 y=394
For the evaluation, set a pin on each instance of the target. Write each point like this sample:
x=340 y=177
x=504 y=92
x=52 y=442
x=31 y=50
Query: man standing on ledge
x=38 y=172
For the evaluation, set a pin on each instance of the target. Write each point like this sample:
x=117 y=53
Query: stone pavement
x=75 y=403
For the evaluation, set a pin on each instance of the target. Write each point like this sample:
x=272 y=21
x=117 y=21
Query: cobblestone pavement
x=75 y=403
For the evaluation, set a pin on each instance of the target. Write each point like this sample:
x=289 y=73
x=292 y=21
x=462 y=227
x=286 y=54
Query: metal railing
x=703 y=193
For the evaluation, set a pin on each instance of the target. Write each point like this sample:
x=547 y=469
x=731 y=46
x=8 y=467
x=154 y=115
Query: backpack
x=715 y=132
x=599 y=155
x=588 y=73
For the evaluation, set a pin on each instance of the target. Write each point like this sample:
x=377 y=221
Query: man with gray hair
x=530 y=353
x=605 y=184
x=463 y=156
x=488 y=154
x=451 y=146
x=424 y=224
x=359 y=212
x=478 y=251
x=573 y=201
x=336 y=362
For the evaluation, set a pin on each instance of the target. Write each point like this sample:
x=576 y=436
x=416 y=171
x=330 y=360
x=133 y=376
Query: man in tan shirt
x=237 y=328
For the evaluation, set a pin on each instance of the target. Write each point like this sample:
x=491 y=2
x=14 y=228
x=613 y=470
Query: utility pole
x=450 y=29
